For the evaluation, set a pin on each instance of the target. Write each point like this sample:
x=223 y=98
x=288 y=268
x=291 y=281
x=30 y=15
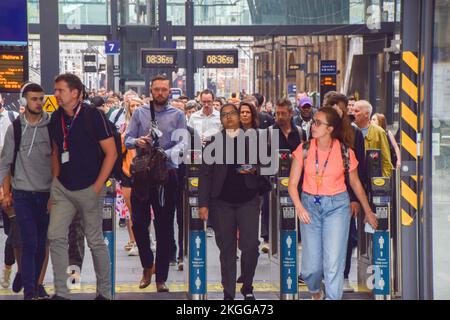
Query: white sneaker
x=6 y=279
x=347 y=287
x=209 y=232
x=133 y=251
x=265 y=247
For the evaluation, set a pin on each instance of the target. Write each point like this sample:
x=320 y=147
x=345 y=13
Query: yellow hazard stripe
x=406 y=218
x=409 y=145
x=410 y=88
x=411 y=60
x=409 y=116
x=409 y=195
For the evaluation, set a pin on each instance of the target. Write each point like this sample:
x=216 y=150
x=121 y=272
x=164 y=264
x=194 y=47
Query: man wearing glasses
x=206 y=122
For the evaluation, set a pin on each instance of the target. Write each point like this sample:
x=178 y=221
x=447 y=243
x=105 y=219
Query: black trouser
x=9 y=251
x=352 y=242
x=180 y=205
x=265 y=212
x=164 y=219
x=226 y=219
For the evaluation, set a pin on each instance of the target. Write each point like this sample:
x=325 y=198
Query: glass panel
x=137 y=12
x=441 y=151
x=283 y=12
x=33 y=11
x=75 y=12
x=78 y=12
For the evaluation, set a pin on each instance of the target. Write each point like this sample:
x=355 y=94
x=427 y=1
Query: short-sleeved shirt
x=333 y=181
x=85 y=156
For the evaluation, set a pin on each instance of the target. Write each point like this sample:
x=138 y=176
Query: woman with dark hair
x=228 y=194
x=324 y=208
x=380 y=120
x=248 y=115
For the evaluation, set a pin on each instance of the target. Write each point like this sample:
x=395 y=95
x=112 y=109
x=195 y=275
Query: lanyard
x=319 y=178
x=67 y=131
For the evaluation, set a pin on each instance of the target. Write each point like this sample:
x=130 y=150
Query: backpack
x=345 y=159
x=118 y=114
x=11 y=116
x=116 y=172
x=17 y=129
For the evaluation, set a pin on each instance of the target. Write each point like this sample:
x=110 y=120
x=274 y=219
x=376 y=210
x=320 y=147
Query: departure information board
x=13 y=70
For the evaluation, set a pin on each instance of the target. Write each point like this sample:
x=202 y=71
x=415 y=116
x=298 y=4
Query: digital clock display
x=220 y=59
x=13 y=70
x=159 y=58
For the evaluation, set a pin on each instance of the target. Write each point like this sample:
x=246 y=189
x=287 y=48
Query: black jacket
x=212 y=178
x=360 y=156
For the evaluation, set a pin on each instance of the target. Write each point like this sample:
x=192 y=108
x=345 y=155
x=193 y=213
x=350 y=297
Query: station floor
x=129 y=271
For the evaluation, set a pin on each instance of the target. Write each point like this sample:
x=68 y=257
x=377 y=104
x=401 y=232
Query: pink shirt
x=333 y=181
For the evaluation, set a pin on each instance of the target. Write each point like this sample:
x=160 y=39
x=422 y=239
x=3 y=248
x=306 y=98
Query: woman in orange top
x=324 y=208
x=134 y=103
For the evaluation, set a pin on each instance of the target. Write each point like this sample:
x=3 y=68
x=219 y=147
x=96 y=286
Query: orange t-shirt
x=333 y=181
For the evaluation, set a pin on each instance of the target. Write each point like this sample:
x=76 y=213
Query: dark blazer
x=212 y=178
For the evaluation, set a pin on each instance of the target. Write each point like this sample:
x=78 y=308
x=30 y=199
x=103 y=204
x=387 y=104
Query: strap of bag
x=153 y=124
x=118 y=114
x=17 y=127
x=11 y=116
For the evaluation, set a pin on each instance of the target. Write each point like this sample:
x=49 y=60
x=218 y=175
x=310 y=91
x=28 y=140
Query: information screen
x=13 y=70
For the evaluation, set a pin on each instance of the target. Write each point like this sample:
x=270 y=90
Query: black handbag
x=149 y=168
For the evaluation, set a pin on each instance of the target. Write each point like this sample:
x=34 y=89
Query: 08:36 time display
x=159 y=59
x=219 y=59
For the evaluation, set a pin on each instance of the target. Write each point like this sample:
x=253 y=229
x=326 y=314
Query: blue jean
x=324 y=243
x=33 y=219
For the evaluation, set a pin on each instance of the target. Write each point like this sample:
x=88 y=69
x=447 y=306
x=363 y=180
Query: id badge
x=65 y=157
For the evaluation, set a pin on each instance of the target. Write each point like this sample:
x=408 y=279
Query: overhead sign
x=157 y=58
x=220 y=58
x=91 y=69
x=112 y=47
x=50 y=104
x=328 y=71
x=328 y=67
x=13 y=69
x=90 y=58
x=296 y=66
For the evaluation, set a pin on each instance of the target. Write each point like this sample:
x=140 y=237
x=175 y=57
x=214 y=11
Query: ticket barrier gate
x=380 y=201
x=283 y=232
x=195 y=234
x=375 y=269
x=109 y=228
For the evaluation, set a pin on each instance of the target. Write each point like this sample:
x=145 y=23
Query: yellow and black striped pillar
x=409 y=112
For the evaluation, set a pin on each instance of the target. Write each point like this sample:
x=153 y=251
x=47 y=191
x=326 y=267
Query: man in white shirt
x=206 y=122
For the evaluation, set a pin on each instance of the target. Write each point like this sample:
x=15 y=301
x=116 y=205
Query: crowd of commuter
x=53 y=170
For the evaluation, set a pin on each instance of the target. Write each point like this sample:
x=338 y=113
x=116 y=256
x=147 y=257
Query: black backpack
x=116 y=172
x=17 y=129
